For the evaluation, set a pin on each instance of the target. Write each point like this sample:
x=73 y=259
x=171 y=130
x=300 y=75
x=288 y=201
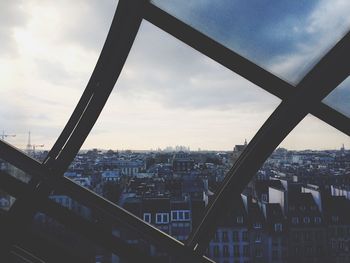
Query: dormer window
x=317 y=220
x=335 y=219
x=239 y=219
x=306 y=220
x=257 y=225
x=162 y=218
x=278 y=227
x=180 y=215
x=295 y=220
x=147 y=217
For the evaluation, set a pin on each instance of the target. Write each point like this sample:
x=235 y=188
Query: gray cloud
x=11 y=15
x=53 y=72
x=162 y=68
x=90 y=22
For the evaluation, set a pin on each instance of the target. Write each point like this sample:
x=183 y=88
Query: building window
x=258 y=251
x=335 y=219
x=257 y=225
x=257 y=237
x=274 y=254
x=235 y=236
x=240 y=219
x=224 y=236
x=278 y=227
x=296 y=236
x=296 y=250
x=295 y=220
x=308 y=250
x=216 y=237
x=246 y=251
x=308 y=236
x=245 y=235
x=187 y=215
x=162 y=218
x=236 y=250
x=180 y=215
x=306 y=220
x=147 y=217
x=226 y=251
x=216 y=251
x=174 y=215
x=318 y=220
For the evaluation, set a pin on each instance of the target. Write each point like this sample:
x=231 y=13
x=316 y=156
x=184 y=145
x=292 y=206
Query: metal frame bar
x=93 y=231
x=96 y=202
x=120 y=38
x=325 y=76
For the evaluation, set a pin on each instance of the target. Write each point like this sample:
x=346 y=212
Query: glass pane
x=339 y=98
x=14 y=171
x=6 y=200
x=293 y=210
x=61 y=242
x=48 y=50
x=285 y=37
x=164 y=139
x=112 y=224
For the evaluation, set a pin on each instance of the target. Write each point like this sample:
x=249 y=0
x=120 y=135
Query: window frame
x=94 y=97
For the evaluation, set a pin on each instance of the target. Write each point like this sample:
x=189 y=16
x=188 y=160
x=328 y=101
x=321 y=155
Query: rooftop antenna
x=35 y=146
x=29 y=145
x=342 y=148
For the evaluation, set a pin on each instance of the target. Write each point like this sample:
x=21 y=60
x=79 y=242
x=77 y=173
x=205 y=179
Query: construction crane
x=3 y=135
x=37 y=145
x=32 y=147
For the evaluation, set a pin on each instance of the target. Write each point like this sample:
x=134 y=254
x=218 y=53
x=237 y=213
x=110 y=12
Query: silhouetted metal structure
x=296 y=103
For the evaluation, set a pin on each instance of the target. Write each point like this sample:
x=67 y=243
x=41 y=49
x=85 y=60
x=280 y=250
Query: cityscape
x=295 y=208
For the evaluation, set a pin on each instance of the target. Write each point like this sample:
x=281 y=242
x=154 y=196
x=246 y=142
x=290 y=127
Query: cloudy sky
x=168 y=93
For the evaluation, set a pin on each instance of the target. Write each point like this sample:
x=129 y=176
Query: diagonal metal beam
x=87 y=197
x=123 y=30
x=119 y=40
x=318 y=83
x=93 y=231
x=239 y=64
x=90 y=199
x=147 y=231
x=75 y=133
x=19 y=159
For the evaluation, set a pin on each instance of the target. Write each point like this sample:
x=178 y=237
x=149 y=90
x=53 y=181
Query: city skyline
x=167 y=93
